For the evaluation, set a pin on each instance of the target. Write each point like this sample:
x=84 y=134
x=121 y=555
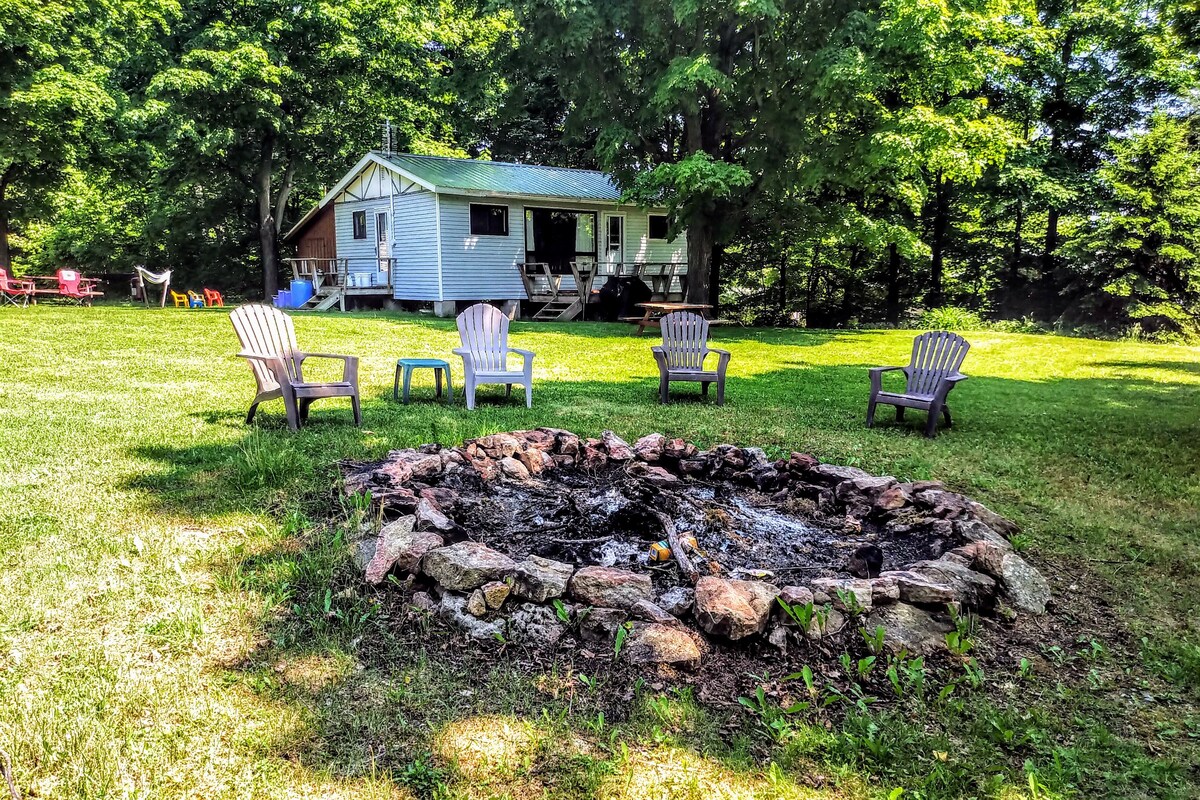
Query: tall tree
x=56 y=92
x=673 y=90
x=1140 y=257
x=245 y=94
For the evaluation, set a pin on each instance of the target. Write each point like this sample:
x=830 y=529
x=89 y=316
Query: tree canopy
x=832 y=162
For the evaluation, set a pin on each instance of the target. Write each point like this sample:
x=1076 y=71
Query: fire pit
x=663 y=551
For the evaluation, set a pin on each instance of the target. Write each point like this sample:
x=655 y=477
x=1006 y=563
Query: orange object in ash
x=661 y=551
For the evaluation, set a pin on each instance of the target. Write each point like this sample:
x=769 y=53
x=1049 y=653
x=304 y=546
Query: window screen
x=360 y=224
x=658 y=226
x=489 y=220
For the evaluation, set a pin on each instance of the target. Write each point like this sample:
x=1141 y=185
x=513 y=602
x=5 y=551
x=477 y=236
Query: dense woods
x=834 y=162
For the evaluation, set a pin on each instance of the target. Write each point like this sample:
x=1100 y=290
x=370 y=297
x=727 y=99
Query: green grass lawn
x=181 y=619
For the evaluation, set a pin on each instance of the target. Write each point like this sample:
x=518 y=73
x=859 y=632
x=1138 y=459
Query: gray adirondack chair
x=931 y=374
x=681 y=355
x=269 y=346
x=483 y=330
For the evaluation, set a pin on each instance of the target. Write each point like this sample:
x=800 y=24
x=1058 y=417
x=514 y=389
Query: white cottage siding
x=481 y=267
x=414 y=247
x=640 y=247
x=362 y=254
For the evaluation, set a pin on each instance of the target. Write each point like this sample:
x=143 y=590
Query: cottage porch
x=333 y=280
x=564 y=293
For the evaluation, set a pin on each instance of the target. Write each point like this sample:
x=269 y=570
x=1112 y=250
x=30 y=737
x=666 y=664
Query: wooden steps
x=327 y=298
x=560 y=310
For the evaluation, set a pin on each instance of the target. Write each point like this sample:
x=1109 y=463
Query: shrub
x=951 y=318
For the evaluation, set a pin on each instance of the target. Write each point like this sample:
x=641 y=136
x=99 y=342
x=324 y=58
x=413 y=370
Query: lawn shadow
x=1187 y=367
x=792 y=337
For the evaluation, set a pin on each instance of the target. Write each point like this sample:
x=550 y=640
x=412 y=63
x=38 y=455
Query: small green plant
x=1092 y=651
x=589 y=682
x=562 y=612
x=802 y=615
x=820 y=618
x=860 y=669
x=422 y=777
x=1025 y=669
x=1020 y=542
x=361 y=501
x=959 y=641
x=806 y=675
x=849 y=601
x=974 y=673
x=772 y=716
x=865 y=665
x=619 y=639
x=596 y=724
x=874 y=639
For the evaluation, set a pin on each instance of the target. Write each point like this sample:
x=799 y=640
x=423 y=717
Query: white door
x=612 y=254
x=384 y=249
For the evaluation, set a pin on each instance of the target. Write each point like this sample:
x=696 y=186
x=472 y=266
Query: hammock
x=163 y=279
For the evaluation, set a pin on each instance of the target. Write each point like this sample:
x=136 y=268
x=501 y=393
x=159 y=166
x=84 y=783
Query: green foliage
x=832 y=166
x=950 y=318
x=1141 y=256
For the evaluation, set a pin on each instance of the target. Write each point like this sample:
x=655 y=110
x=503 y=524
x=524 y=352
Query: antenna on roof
x=387 y=137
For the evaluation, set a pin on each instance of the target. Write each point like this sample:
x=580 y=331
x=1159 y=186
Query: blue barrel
x=284 y=298
x=301 y=292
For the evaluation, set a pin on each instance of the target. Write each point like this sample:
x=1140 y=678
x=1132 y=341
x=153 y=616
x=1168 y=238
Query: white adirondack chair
x=932 y=373
x=483 y=330
x=682 y=353
x=269 y=345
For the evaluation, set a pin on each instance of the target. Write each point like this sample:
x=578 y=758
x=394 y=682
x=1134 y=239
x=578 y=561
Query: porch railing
x=330 y=273
x=665 y=278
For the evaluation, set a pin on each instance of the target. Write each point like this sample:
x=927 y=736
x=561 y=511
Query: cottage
x=450 y=231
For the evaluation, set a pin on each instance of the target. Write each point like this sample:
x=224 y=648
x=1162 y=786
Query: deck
x=563 y=294
x=333 y=280
x=557 y=294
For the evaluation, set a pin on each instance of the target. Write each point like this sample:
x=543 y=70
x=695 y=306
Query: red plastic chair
x=213 y=299
x=76 y=288
x=13 y=290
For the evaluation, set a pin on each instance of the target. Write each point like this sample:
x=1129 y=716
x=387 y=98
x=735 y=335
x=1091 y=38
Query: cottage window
x=489 y=220
x=360 y=224
x=658 y=226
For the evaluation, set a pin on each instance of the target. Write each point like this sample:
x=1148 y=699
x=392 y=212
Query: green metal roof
x=468 y=175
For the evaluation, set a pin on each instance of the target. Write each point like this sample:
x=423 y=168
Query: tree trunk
x=849 y=298
x=285 y=192
x=5 y=255
x=268 y=231
x=814 y=282
x=937 y=245
x=1051 y=243
x=700 y=260
x=714 y=281
x=783 y=281
x=893 y=284
x=1014 y=272
x=1056 y=150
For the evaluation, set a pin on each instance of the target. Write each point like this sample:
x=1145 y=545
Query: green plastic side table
x=404 y=371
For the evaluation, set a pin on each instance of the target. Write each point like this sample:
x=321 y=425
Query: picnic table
x=52 y=287
x=655 y=311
